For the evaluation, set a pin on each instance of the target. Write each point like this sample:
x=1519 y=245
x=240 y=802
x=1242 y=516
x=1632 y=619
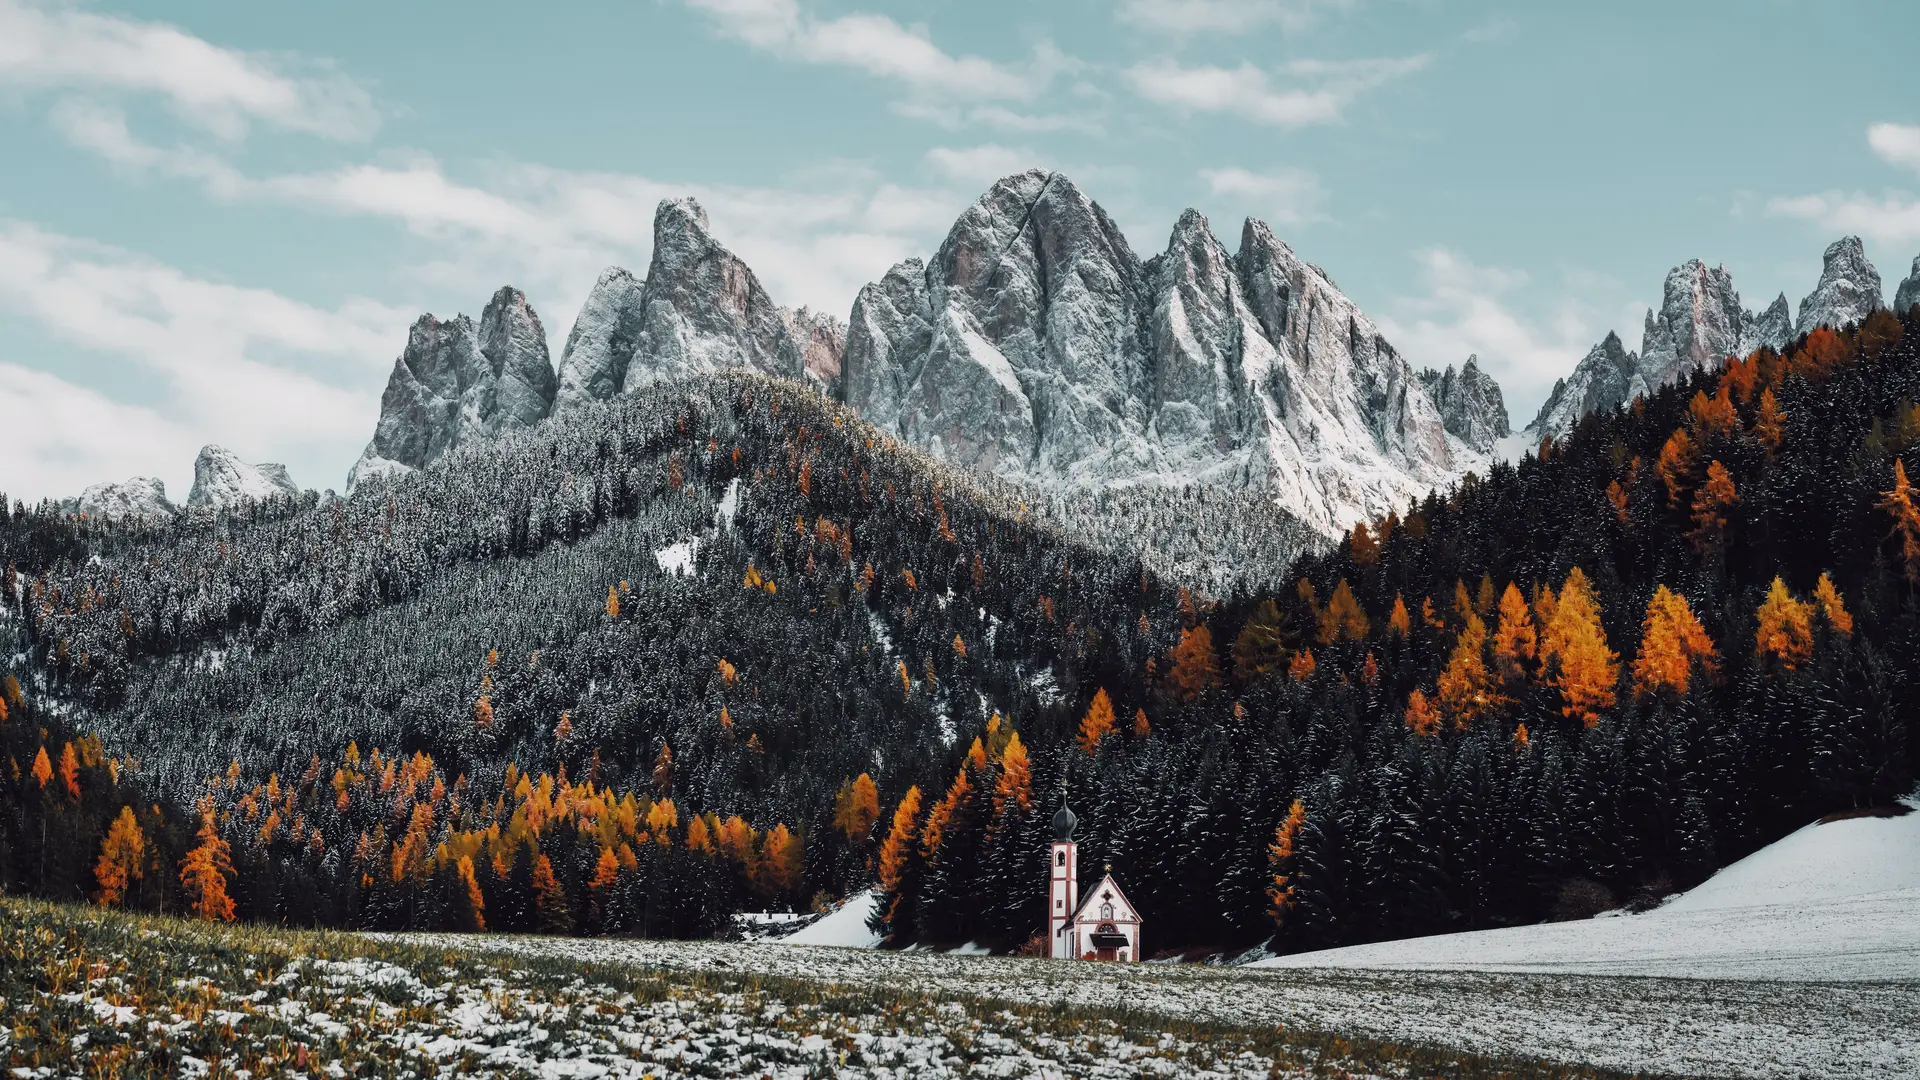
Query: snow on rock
x=1470 y=404
x=593 y=364
x=457 y=382
x=1037 y=346
x=142 y=496
x=1848 y=292
x=1838 y=901
x=221 y=479
x=845 y=927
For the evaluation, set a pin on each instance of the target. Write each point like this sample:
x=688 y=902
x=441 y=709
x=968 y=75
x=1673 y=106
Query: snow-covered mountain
x=699 y=309
x=142 y=496
x=1909 y=292
x=221 y=479
x=456 y=382
x=1848 y=292
x=1037 y=346
x=1700 y=323
x=1470 y=404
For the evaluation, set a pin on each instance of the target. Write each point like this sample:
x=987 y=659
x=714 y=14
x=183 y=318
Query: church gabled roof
x=1090 y=900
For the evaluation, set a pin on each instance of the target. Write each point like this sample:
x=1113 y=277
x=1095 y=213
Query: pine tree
x=476 y=903
x=1301 y=667
x=550 y=899
x=1585 y=671
x=42 y=768
x=1769 y=422
x=1675 y=465
x=122 y=857
x=70 y=771
x=897 y=853
x=1344 y=618
x=1262 y=646
x=613 y=603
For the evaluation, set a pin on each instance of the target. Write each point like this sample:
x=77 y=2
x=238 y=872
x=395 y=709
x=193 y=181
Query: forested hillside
x=722 y=646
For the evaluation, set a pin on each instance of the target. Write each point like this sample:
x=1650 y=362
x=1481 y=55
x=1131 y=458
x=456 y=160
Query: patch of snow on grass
x=678 y=558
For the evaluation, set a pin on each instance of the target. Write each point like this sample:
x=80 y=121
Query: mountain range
x=1035 y=345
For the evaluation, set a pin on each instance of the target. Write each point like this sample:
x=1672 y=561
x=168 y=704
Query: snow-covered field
x=1802 y=960
x=1832 y=902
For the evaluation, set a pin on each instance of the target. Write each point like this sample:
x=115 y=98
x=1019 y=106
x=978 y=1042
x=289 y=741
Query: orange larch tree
x=1711 y=505
x=1675 y=465
x=1466 y=686
x=897 y=851
x=1422 y=718
x=1672 y=645
x=1280 y=855
x=1584 y=670
x=1398 y=623
x=1515 y=643
x=1785 y=632
x=1097 y=724
x=1769 y=422
x=122 y=855
x=856 y=808
x=205 y=870
x=1014 y=788
x=1832 y=607
x=70 y=771
x=1195 y=669
x=1899 y=505
x=1344 y=619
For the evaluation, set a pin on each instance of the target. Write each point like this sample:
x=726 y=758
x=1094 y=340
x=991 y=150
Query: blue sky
x=217 y=218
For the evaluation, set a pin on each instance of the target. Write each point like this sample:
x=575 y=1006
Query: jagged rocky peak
x=593 y=365
x=702 y=309
x=456 y=382
x=1700 y=324
x=1470 y=404
x=1848 y=291
x=1771 y=329
x=142 y=496
x=1909 y=292
x=1605 y=378
x=221 y=479
x=1035 y=344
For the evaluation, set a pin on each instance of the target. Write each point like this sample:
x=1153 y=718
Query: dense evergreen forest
x=723 y=647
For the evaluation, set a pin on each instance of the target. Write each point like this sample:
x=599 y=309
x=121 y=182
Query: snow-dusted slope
x=845 y=927
x=1037 y=346
x=1836 y=901
x=220 y=479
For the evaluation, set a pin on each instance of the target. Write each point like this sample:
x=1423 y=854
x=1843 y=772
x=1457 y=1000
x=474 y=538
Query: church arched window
x=1059 y=858
x=1106 y=911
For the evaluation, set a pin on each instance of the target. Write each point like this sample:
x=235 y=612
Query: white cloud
x=1469 y=309
x=62 y=438
x=881 y=47
x=980 y=165
x=1888 y=219
x=236 y=365
x=1282 y=196
x=52 y=47
x=1196 y=16
x=1897 y=144
x=1320 y=89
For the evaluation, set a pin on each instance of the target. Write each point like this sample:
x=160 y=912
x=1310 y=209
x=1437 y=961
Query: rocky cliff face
x=221 y=479
x=1470 y=404
x=457 y=382
x=593 y=365
x=1848 y=292
x=1603 y=379
x=820 y=340
x=142 y=496
x=1909 y=292
x=1038 y=346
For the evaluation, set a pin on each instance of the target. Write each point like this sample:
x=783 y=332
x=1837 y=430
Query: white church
x=1103 y=926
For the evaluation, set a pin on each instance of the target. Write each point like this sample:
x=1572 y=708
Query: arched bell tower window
x=1059 y=858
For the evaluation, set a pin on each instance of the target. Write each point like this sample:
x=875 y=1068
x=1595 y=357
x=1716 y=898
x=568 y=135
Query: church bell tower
x=1063 y=888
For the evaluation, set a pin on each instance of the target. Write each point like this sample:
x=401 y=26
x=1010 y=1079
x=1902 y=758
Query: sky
x=217 y=219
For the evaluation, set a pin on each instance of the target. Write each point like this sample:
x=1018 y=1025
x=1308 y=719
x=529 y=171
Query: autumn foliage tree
x=1785 y=631
x=1281 y=891
x=1195 y=670
x=206 y=869
x=1097 y=724
x=1466 y=686
x=122 y=855
x=1673 y=645
x=1574 y=648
